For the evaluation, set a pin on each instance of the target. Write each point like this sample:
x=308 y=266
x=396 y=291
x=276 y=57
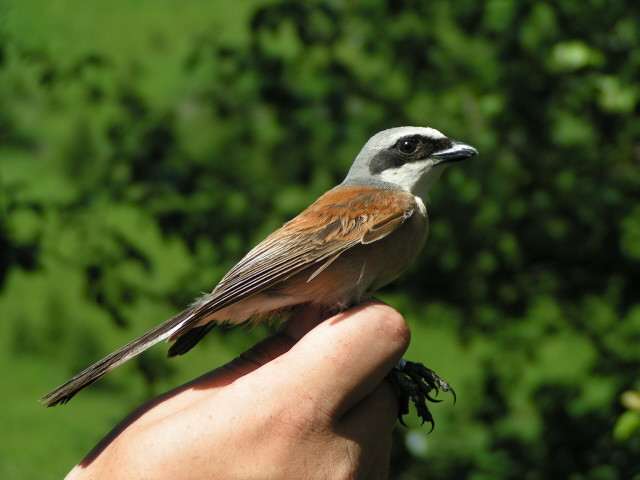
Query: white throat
x=414 y=177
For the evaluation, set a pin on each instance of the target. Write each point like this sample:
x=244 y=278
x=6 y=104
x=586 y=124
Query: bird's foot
x=416 y=382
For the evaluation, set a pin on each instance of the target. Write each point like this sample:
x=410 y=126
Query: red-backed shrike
x=354 y=239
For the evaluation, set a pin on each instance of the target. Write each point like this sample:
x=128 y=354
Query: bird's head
x=411 y=158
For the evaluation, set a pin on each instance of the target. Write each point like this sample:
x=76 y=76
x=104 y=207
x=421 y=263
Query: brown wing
x=338 y=220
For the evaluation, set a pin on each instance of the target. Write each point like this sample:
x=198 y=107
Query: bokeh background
x=146 y=145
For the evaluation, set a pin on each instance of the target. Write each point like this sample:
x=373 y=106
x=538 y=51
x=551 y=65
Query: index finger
x=344 y=358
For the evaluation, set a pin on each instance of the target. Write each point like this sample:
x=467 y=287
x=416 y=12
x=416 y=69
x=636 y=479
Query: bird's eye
x=408 y=146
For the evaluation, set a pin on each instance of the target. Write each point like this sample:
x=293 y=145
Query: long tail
x=67 y=390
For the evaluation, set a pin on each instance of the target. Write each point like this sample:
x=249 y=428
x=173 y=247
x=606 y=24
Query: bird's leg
x=416 y=382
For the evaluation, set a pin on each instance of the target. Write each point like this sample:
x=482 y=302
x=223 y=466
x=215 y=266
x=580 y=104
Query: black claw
x=415 y=382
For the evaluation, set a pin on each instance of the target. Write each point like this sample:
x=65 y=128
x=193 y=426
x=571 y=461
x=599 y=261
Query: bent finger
x=343 y=359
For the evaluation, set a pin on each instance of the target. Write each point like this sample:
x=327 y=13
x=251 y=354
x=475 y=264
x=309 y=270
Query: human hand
x=307 y=402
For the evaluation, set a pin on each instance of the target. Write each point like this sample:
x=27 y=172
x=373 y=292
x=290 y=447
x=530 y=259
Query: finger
x=344 y=358
x=373 y=417
x=302 y=321
x=370 y=424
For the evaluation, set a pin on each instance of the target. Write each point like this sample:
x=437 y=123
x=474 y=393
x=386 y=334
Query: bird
x=353 y=240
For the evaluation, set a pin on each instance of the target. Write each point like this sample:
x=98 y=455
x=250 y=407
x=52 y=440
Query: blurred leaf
x=573 y=55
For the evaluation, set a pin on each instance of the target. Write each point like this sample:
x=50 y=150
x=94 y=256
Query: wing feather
x=337 y=221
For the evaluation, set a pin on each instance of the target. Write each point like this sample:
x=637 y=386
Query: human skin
x=310 y=401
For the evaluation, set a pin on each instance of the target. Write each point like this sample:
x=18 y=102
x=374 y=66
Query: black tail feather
x=188 y=340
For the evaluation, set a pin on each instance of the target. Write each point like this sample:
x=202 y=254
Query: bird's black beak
x=455 y=152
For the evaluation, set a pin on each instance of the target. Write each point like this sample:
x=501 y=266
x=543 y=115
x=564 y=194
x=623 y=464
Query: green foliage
x=145 y=146
x=629 y=421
